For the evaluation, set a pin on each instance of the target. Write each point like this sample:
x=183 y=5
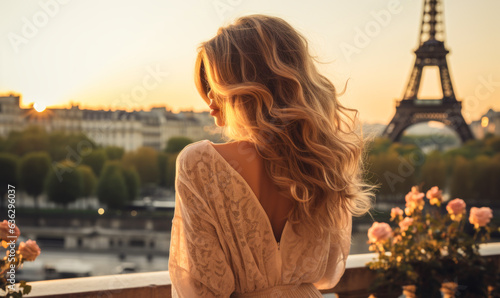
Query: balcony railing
x=354 y=282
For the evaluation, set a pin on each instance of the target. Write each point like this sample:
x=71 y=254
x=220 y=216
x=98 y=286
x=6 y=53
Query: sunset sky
x=137 y=54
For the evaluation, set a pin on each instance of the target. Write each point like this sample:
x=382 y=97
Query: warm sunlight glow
x=56 y=54
x=484 y=121
x=436 y=124
x=39 y=107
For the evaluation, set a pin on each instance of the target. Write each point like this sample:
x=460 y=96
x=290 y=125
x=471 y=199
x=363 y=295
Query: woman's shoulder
x=192 y=153
x=193 y=148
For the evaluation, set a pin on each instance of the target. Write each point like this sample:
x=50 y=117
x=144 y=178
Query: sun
x=39 y=107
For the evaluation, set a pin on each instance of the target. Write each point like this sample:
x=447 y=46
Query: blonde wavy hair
x=270 y=93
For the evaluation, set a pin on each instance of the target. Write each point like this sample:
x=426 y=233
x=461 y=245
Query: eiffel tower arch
x=431 y=52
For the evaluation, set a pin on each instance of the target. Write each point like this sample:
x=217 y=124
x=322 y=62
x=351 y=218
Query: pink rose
x=456 y=208
x=396 y=212
x=397 y=239
x=5 y=231
x=405 y=223
x=408 y=211
x=378 y=232
x=29 y=250
x=480 y=217
x=414 y=200
x=435 y=196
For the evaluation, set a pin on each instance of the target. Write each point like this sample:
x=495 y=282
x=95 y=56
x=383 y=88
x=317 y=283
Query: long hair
x=271 y=94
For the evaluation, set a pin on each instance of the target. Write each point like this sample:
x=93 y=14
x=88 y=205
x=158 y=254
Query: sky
x=139 y=54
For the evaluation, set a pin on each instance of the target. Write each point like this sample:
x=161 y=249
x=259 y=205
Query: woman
x=268 y=214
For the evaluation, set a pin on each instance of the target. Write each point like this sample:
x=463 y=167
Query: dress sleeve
x=197 y=264
x=339 y=250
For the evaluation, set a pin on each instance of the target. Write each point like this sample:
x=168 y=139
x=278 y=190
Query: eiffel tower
x=431 y=52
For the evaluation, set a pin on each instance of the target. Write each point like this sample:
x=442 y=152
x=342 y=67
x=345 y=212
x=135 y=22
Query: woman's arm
x=339 y=250
x=197 y=264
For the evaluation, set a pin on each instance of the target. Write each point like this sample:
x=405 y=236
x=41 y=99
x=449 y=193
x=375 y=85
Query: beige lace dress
x=222 y=243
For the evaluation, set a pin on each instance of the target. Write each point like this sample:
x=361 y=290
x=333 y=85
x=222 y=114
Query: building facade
x=488 y=123
x=129 y=130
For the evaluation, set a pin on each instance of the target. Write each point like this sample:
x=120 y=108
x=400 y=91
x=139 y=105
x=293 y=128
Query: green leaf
x=26 y=289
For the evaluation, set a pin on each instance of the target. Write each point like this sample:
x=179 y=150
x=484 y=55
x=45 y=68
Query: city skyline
x=131 y=55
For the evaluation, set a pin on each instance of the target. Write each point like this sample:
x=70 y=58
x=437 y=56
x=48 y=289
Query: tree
x=495 y=177
x=379 y=145
x=114 y=152
x=404 y=149
x=170 y=170
x=56 y=145
x=461 y=180
x=3 y=144
x=64 y=183
x=162 y=166
x=145 y=161
x=481 y=181
x=132 y=181
x=8 y=173
x=176 y=144
x=433 y=171
x=493 y=143
x=69 y=146
x=392 y=172
x=32 y=139
x=469 y=150
x=33 y=170
x=111 y=188
x=95 y=160
x=89 y=180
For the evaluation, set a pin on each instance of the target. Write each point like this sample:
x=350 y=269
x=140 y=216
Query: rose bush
x=456 y=208
x=405 y=224
x=414 y=201
x=435 y=196
x=14 y=258
x=380 y=231
x=5 y=230
x=397 y=212
x=430 y=246
x=480 y=217
x=29 y=250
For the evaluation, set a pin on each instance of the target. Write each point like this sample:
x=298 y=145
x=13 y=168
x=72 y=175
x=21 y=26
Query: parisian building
x=129 y=130
x=489 y=123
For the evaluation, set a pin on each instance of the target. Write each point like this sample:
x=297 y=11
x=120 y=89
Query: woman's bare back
x=243 y=157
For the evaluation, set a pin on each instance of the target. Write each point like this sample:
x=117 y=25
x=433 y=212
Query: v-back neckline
x=253 y=195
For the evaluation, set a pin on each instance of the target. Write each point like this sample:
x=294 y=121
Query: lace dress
x=222 y=242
